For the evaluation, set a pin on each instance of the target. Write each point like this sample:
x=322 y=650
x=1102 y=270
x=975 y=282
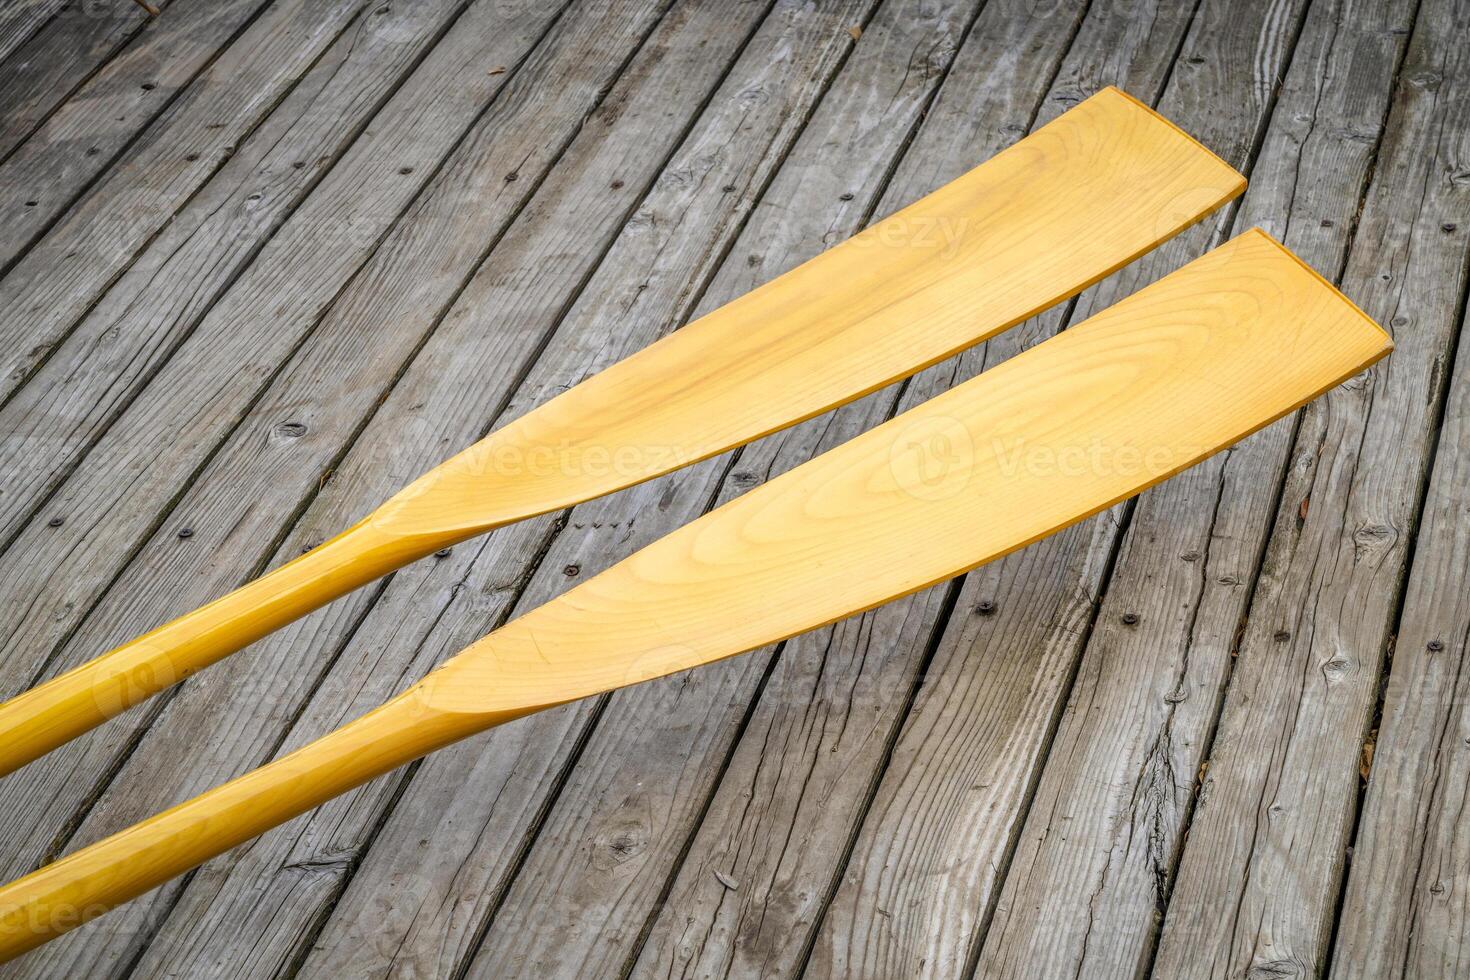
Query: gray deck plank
x=416 y=909
x=1260 y=874
x=51 y=169
x=116 y=499
x=92 y=376
x=931 y=857
x=62 y=275
x=22 y=19
x=462 y=393
x=1095 y=858
x=46 y=70
x=579 y=904
x=246 y=496
x=1405 y=914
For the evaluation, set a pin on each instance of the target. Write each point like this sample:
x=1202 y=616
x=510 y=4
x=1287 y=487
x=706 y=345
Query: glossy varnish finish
x=1037 y=223
x=1163 y=379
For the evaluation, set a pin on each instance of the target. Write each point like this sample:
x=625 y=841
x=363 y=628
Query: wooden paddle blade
x=1160 y=381
x=1082 y=196
x=1085 y=194
x=1163 y=379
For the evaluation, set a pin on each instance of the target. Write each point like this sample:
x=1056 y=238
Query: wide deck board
x=995 y=777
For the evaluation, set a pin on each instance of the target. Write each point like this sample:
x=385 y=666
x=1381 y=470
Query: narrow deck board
x=93 y=375
x=61 y=276
x=1095 y=860
x=1260 y=875
x=51 y=64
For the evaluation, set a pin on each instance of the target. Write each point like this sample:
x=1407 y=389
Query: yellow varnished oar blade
x=1082 y=196
x=1174 y=373
x=1085 y=194
x=1163 y=379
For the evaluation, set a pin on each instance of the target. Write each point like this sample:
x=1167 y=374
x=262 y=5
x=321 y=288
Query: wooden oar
x=1163 y=379
x=1064 y=207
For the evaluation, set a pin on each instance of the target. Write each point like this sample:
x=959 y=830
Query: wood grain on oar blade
x=1163 y=379
x=1136 y=393
x=1039 y=222
x=1083 y=195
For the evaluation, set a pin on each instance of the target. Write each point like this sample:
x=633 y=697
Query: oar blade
x=1083 y=195
x=1176 y=372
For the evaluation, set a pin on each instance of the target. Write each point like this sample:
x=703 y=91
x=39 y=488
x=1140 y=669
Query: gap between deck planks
x=442 y=233
x=49 y=68
x=1278 y=805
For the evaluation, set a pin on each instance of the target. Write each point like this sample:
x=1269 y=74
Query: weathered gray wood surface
x=55 y=281
x=46 y=173
x=21 y=20
x=1094 y=862
x=337 y=241
x=1277 y=809
x=47 y=68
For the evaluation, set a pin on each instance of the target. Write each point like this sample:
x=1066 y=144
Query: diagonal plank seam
x=132 y=32
x=141 y=131
x=286 y=528
x=75 y=460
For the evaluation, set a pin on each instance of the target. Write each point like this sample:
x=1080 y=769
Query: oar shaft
x=59 y=710
x=81 y=886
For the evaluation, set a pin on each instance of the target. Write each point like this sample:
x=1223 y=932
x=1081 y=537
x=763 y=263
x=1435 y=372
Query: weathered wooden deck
x=266 y=260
